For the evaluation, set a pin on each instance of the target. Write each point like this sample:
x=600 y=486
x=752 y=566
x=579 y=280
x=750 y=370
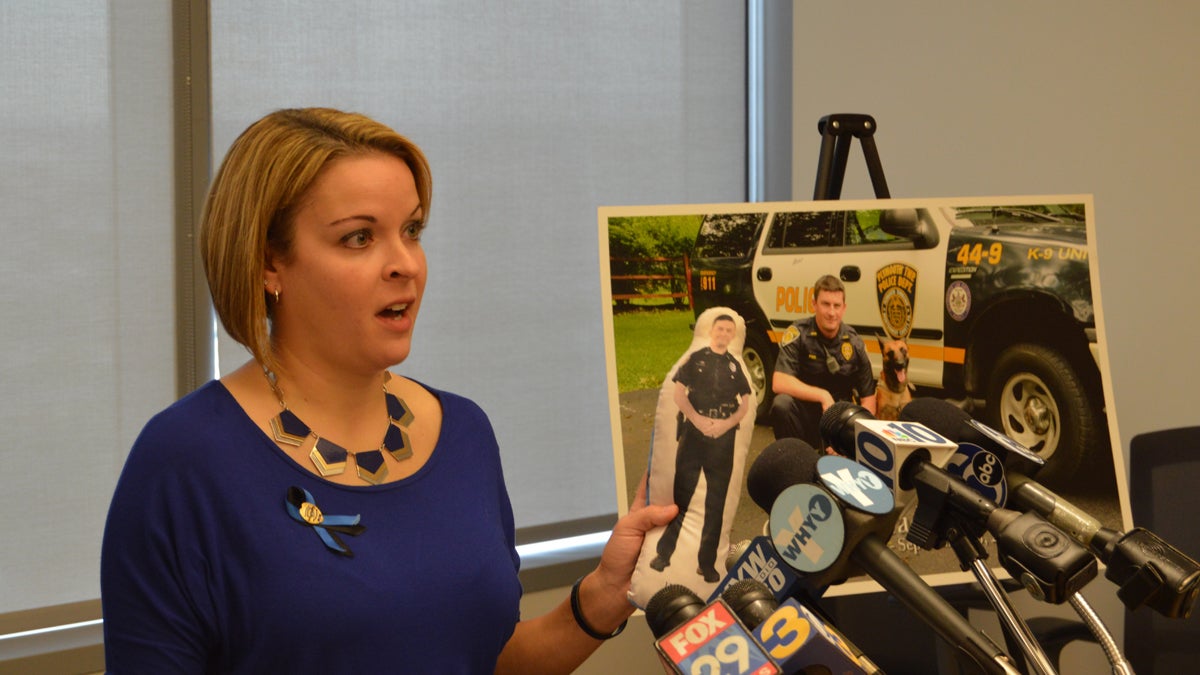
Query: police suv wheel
x=1036 y=397
x=759 y=356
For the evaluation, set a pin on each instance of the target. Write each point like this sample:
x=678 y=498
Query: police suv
x=995 y=303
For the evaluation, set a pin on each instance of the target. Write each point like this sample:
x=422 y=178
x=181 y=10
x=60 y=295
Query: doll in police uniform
x=703 y=425
x=712 y=394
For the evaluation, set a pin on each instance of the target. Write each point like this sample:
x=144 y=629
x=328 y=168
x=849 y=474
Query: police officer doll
x=713 y=395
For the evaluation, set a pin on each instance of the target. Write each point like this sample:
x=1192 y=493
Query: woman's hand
x=620 y=556
x=554 y=643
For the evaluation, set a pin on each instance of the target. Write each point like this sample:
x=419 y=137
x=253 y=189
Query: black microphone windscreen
x=943 y=417
x=670 y=607
x=837 y=426
x=780 y=465
x=751 y=600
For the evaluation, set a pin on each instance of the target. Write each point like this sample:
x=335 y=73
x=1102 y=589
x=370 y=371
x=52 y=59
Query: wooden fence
x=651 y=278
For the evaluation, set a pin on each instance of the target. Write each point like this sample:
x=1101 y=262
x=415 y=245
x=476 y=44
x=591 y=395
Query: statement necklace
x=330 y=458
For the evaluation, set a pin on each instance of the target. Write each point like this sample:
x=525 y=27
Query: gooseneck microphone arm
x=1085 y=529
x=948 y=510
x=1104 y=638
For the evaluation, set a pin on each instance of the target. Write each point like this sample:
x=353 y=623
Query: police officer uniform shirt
x=809 y=356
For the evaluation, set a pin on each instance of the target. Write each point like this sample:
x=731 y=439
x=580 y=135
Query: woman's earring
x=277 y=295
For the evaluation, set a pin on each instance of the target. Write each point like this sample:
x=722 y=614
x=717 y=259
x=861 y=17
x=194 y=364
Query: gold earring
x=277 y=295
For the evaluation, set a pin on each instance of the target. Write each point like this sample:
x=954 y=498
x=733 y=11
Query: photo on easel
x=981 y=316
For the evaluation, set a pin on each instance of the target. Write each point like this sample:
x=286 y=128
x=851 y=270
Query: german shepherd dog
x=894 y=390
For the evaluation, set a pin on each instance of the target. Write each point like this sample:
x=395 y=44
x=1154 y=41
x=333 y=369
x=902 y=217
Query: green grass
x=647 y=344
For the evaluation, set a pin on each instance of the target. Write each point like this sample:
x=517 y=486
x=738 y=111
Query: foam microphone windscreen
x=670 y=607
x=780 y=465
x=837 y=425
x=751 y=600
x=945 y=418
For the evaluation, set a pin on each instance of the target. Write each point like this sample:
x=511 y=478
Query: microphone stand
x=1040 y=556
x=971 y=555
x=1044 y=559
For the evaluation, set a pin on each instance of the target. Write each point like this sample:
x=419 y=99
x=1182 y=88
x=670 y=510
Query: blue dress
x=204 y=570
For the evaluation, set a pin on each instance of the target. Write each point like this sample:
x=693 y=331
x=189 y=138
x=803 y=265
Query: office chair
x=1164 y=495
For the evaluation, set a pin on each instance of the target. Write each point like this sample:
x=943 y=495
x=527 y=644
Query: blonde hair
x=253 y=197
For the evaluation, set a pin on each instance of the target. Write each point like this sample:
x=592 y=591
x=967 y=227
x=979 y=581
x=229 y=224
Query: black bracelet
x=583 y=624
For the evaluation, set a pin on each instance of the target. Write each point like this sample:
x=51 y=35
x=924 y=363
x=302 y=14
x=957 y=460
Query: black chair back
x=1164 y=495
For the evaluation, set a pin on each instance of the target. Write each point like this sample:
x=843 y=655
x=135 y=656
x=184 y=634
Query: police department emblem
x=958 y=300
x=847 y=351
x=789 y=335
x=896 y=288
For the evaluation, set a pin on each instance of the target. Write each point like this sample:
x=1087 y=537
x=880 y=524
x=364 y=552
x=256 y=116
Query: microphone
x=792 y=634
x=886 y=451
x=1147 y=570
x=1046 y=561
x=802 y=643
x=807 y=528
x=791 y=463
x=694 y=637
x=757 y=559
x=751 y=601
x=957 y=425
x=670 y=607
x=883 y=446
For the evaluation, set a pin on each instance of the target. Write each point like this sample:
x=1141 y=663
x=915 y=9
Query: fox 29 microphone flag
x=696 y=638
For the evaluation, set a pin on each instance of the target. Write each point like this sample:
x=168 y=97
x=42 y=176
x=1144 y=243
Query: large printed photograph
x=983 y=315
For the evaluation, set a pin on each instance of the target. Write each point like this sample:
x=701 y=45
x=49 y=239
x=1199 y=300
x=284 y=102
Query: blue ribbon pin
x=303 y=509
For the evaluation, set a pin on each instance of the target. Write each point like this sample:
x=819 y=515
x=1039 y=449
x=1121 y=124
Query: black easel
x=837 y=133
